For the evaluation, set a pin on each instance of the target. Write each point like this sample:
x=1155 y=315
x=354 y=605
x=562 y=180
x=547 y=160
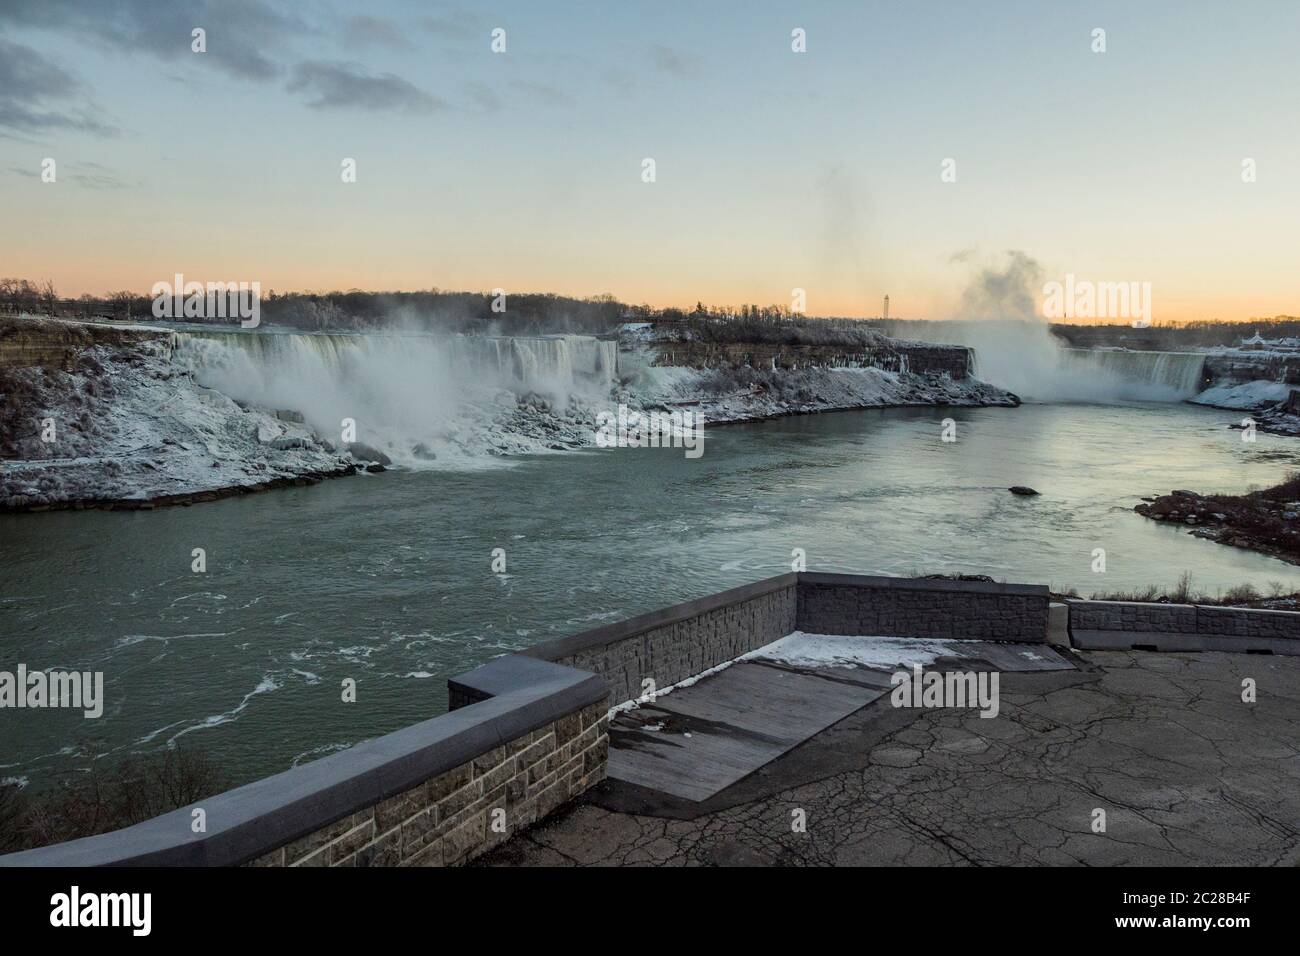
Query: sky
x=774 y=170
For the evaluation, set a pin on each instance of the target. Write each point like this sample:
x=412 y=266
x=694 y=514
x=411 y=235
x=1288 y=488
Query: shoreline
x=1260 y=521
x=316 y=476
x=184 y=499
x=124 y=423
x=834 y=409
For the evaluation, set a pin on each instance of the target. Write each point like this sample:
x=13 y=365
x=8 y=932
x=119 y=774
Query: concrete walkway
x=698 y=740
x=1185 y=771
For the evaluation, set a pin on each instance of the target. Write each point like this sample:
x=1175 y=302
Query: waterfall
x=1179 y=374
x=557 y=366
x=404 y=391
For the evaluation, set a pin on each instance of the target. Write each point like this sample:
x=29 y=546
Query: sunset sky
x=775 y=169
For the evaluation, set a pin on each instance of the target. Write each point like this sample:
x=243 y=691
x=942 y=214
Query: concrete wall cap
x=565 y=647
x=254 y=819
x=922 y=584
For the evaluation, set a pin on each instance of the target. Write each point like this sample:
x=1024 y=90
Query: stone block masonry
x=435 y=793
x=464 y=812
x=671 y=645
x=527 y=733
x=1123 y=625
x=679 y=642
x=918 y=607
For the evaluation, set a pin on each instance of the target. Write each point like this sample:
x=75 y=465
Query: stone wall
x=1121 y=625
x=671 y=645
x=912 y=607
x=424 y=795
x=529 y=732
x=454 y=817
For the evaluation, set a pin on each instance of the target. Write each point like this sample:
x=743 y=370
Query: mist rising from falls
x=1016 y=350
x=1024 y=357
x=449 y=394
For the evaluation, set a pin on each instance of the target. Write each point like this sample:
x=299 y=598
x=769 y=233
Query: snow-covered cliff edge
x=109 y=417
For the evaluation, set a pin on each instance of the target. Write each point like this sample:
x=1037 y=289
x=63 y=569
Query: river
x=387 y=579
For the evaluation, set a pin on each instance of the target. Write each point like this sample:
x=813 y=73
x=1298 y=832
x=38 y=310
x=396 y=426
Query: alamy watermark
x=130 y=910
x=216 y=300
x=83 y=690
x=919 y=688
x=1084 y=299
x=628 y=428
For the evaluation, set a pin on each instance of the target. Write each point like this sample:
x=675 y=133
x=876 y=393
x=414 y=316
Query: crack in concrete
x=1186 y=772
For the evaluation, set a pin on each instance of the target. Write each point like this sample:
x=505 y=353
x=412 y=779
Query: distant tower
x=886 y=307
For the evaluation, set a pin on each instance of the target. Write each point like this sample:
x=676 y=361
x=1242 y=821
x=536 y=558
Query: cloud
x=540 y=91
x=619 y=79
x=249 y=39
x=90 y=175
x=1004 y=293
x=95 y=176
x=242 y=35
x=38 y=96
x=455 y=22
x=483 y=96
x=668 y=60
x=334 y=85
x=363 y=31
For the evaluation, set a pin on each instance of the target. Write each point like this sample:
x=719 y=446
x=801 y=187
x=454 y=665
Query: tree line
x=434 y=309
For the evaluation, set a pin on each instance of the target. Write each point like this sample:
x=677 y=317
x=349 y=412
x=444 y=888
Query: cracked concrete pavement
x=1186 y=772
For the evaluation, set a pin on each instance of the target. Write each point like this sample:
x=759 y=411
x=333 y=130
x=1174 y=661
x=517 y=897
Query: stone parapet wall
x=528 y=732
x=464 y=812
x=679 y=642
x=432 y=794
x=1132 y=616
x=1123 y=624
x=671 y=645
x=911 y=607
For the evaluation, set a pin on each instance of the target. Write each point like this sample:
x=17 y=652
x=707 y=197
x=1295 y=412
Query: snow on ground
x=800 y=649
x=733 y=395
x=1247 y=395
x=129 y=426
x=811 y=651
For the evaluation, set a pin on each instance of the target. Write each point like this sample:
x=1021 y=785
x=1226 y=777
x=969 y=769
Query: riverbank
x=1266 y=521
x=1268 y=404
x=732 y=395
x=128 y=419
x=122 y=427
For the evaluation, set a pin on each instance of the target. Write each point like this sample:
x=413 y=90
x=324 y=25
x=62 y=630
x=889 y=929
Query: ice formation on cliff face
x=128 y=424
x=191 y=411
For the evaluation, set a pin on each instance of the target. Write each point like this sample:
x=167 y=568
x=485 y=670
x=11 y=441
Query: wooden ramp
x=698 y=740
